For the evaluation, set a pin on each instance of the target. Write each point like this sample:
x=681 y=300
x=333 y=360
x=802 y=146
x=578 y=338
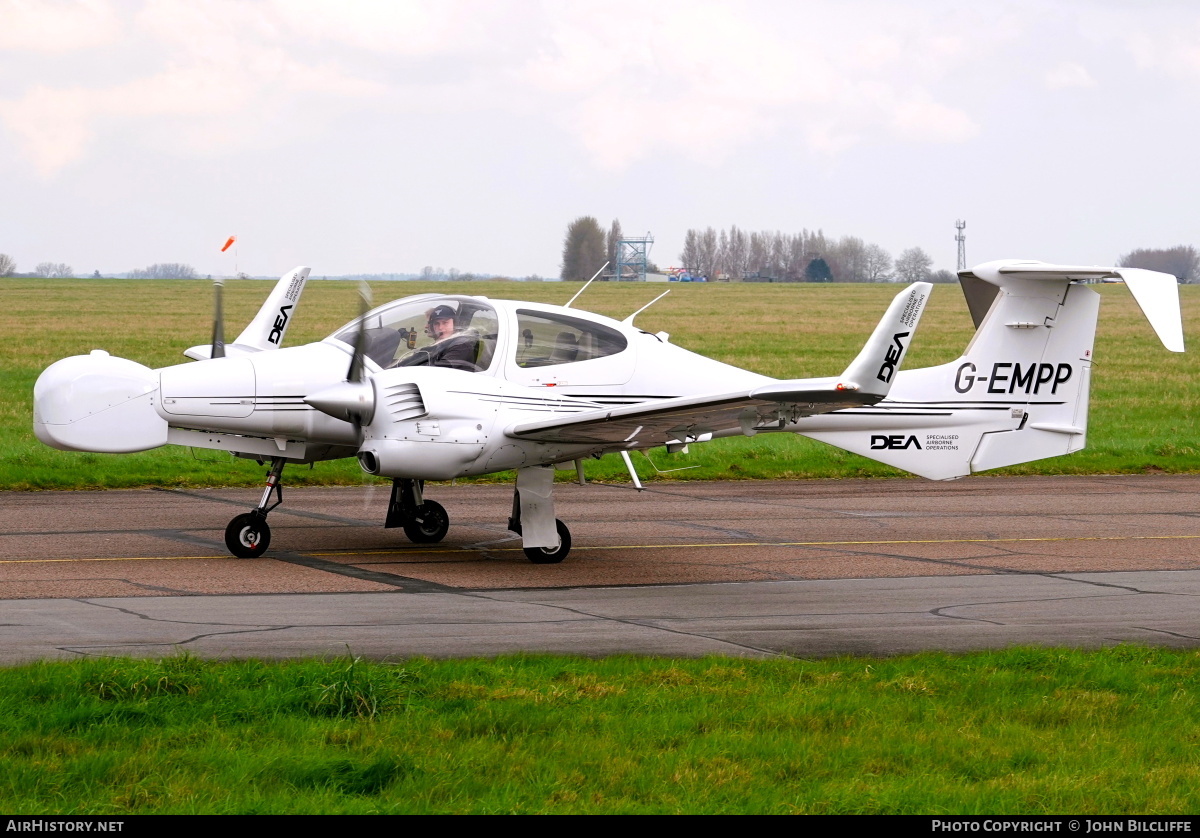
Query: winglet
x=1158 y=296
x=873 y=371
x=267 y=329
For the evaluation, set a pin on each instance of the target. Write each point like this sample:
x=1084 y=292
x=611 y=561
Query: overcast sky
x=385 y=136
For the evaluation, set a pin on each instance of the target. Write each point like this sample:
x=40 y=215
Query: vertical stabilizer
x=269 y=327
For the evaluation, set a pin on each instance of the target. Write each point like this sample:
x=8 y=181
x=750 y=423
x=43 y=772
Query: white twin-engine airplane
x=436 y=386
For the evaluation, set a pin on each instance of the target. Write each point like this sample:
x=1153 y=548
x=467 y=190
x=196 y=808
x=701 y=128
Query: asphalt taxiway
x=803 y=568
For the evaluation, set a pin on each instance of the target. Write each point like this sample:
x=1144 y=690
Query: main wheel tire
x=430 y=524
x=552 y=555
x=248 y=536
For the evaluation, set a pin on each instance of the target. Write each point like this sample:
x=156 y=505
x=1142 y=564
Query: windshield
x=430 y=331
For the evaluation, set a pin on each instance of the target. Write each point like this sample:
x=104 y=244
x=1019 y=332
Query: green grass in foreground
x=1021 y=731
x=1143 y=415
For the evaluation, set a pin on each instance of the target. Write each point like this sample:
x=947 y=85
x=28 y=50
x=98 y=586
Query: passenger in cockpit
x=450 y=348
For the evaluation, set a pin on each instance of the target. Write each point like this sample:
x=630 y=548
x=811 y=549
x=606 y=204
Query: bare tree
x=777 y=264
x=878 y=264
x=943 y=276
x=913 y=265
x=759 y=253
x=1182 y=262
x=614 y=242
x=737 y=253
x=584 y=250
x=721 y=268
x=689 y=257
x=57 y=270
x=848 y=260
x=8 y=265
x=707 y=252
x=796 y=256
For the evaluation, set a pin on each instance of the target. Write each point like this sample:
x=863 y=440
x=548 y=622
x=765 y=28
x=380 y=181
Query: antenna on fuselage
x=629 y=320
x=586 y=284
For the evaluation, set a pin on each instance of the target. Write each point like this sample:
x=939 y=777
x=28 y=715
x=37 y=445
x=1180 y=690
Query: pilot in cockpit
x=451 y=346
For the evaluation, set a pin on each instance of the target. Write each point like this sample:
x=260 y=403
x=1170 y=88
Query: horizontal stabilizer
x=1157 y=294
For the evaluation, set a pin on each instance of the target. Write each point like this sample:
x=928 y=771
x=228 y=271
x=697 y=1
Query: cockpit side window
x=545 y=340
x=403 y=334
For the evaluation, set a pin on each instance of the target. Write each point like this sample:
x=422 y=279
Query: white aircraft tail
x=1019 y=392
x=268 y=328
x=882 y=355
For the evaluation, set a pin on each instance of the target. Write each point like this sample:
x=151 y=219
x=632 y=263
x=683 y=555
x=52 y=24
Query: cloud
x=220 y=67
x=624 y=80
x=918 y=118
x=1068 y=75
x=56 y=26
x=702 y=79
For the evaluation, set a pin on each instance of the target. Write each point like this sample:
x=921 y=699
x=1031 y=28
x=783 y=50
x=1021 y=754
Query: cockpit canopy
x=399 y=334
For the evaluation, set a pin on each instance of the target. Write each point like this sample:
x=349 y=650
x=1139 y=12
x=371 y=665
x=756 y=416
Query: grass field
x=1143 y=400
x=1026 y=731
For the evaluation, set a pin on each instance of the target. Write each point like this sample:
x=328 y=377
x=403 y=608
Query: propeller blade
x=218 y=336
x=356 y=372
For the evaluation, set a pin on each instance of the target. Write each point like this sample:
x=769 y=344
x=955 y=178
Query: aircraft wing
x=693 y=418
x=767 y=407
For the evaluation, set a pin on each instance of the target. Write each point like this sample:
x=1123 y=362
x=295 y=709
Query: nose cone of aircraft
x=351 y=401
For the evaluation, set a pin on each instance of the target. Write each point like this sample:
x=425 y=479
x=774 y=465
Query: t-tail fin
x=1018 y=393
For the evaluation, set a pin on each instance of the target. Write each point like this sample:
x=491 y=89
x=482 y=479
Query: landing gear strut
x=424 y=521
x=546 y=539
x=248 y=535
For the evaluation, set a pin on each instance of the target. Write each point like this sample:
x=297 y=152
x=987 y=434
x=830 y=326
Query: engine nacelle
x=417 y=458
x=98 y=403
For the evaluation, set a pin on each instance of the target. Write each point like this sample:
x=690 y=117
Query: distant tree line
x=807 y=256
x=1182 y=262
x=55 y=270
x=165 y=270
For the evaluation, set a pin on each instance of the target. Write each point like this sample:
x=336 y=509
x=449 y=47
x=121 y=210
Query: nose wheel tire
x=552 y=555
x=429 y=525
x=248 y=536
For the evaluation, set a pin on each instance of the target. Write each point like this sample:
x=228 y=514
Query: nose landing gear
x=248 y=534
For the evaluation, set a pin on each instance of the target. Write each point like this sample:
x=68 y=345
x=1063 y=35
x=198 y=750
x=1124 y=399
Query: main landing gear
x=248 y=535
x=545 y=539
x=424 y=521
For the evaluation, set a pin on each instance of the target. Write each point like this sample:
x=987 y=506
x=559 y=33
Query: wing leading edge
x=770 y=407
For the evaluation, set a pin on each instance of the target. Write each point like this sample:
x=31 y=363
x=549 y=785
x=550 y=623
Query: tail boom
x=1019 y=393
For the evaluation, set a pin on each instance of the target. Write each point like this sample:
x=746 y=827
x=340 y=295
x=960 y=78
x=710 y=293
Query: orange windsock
x=229 y=243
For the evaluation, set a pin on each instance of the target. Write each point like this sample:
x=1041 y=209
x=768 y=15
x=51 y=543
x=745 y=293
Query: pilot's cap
x=441 y=313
